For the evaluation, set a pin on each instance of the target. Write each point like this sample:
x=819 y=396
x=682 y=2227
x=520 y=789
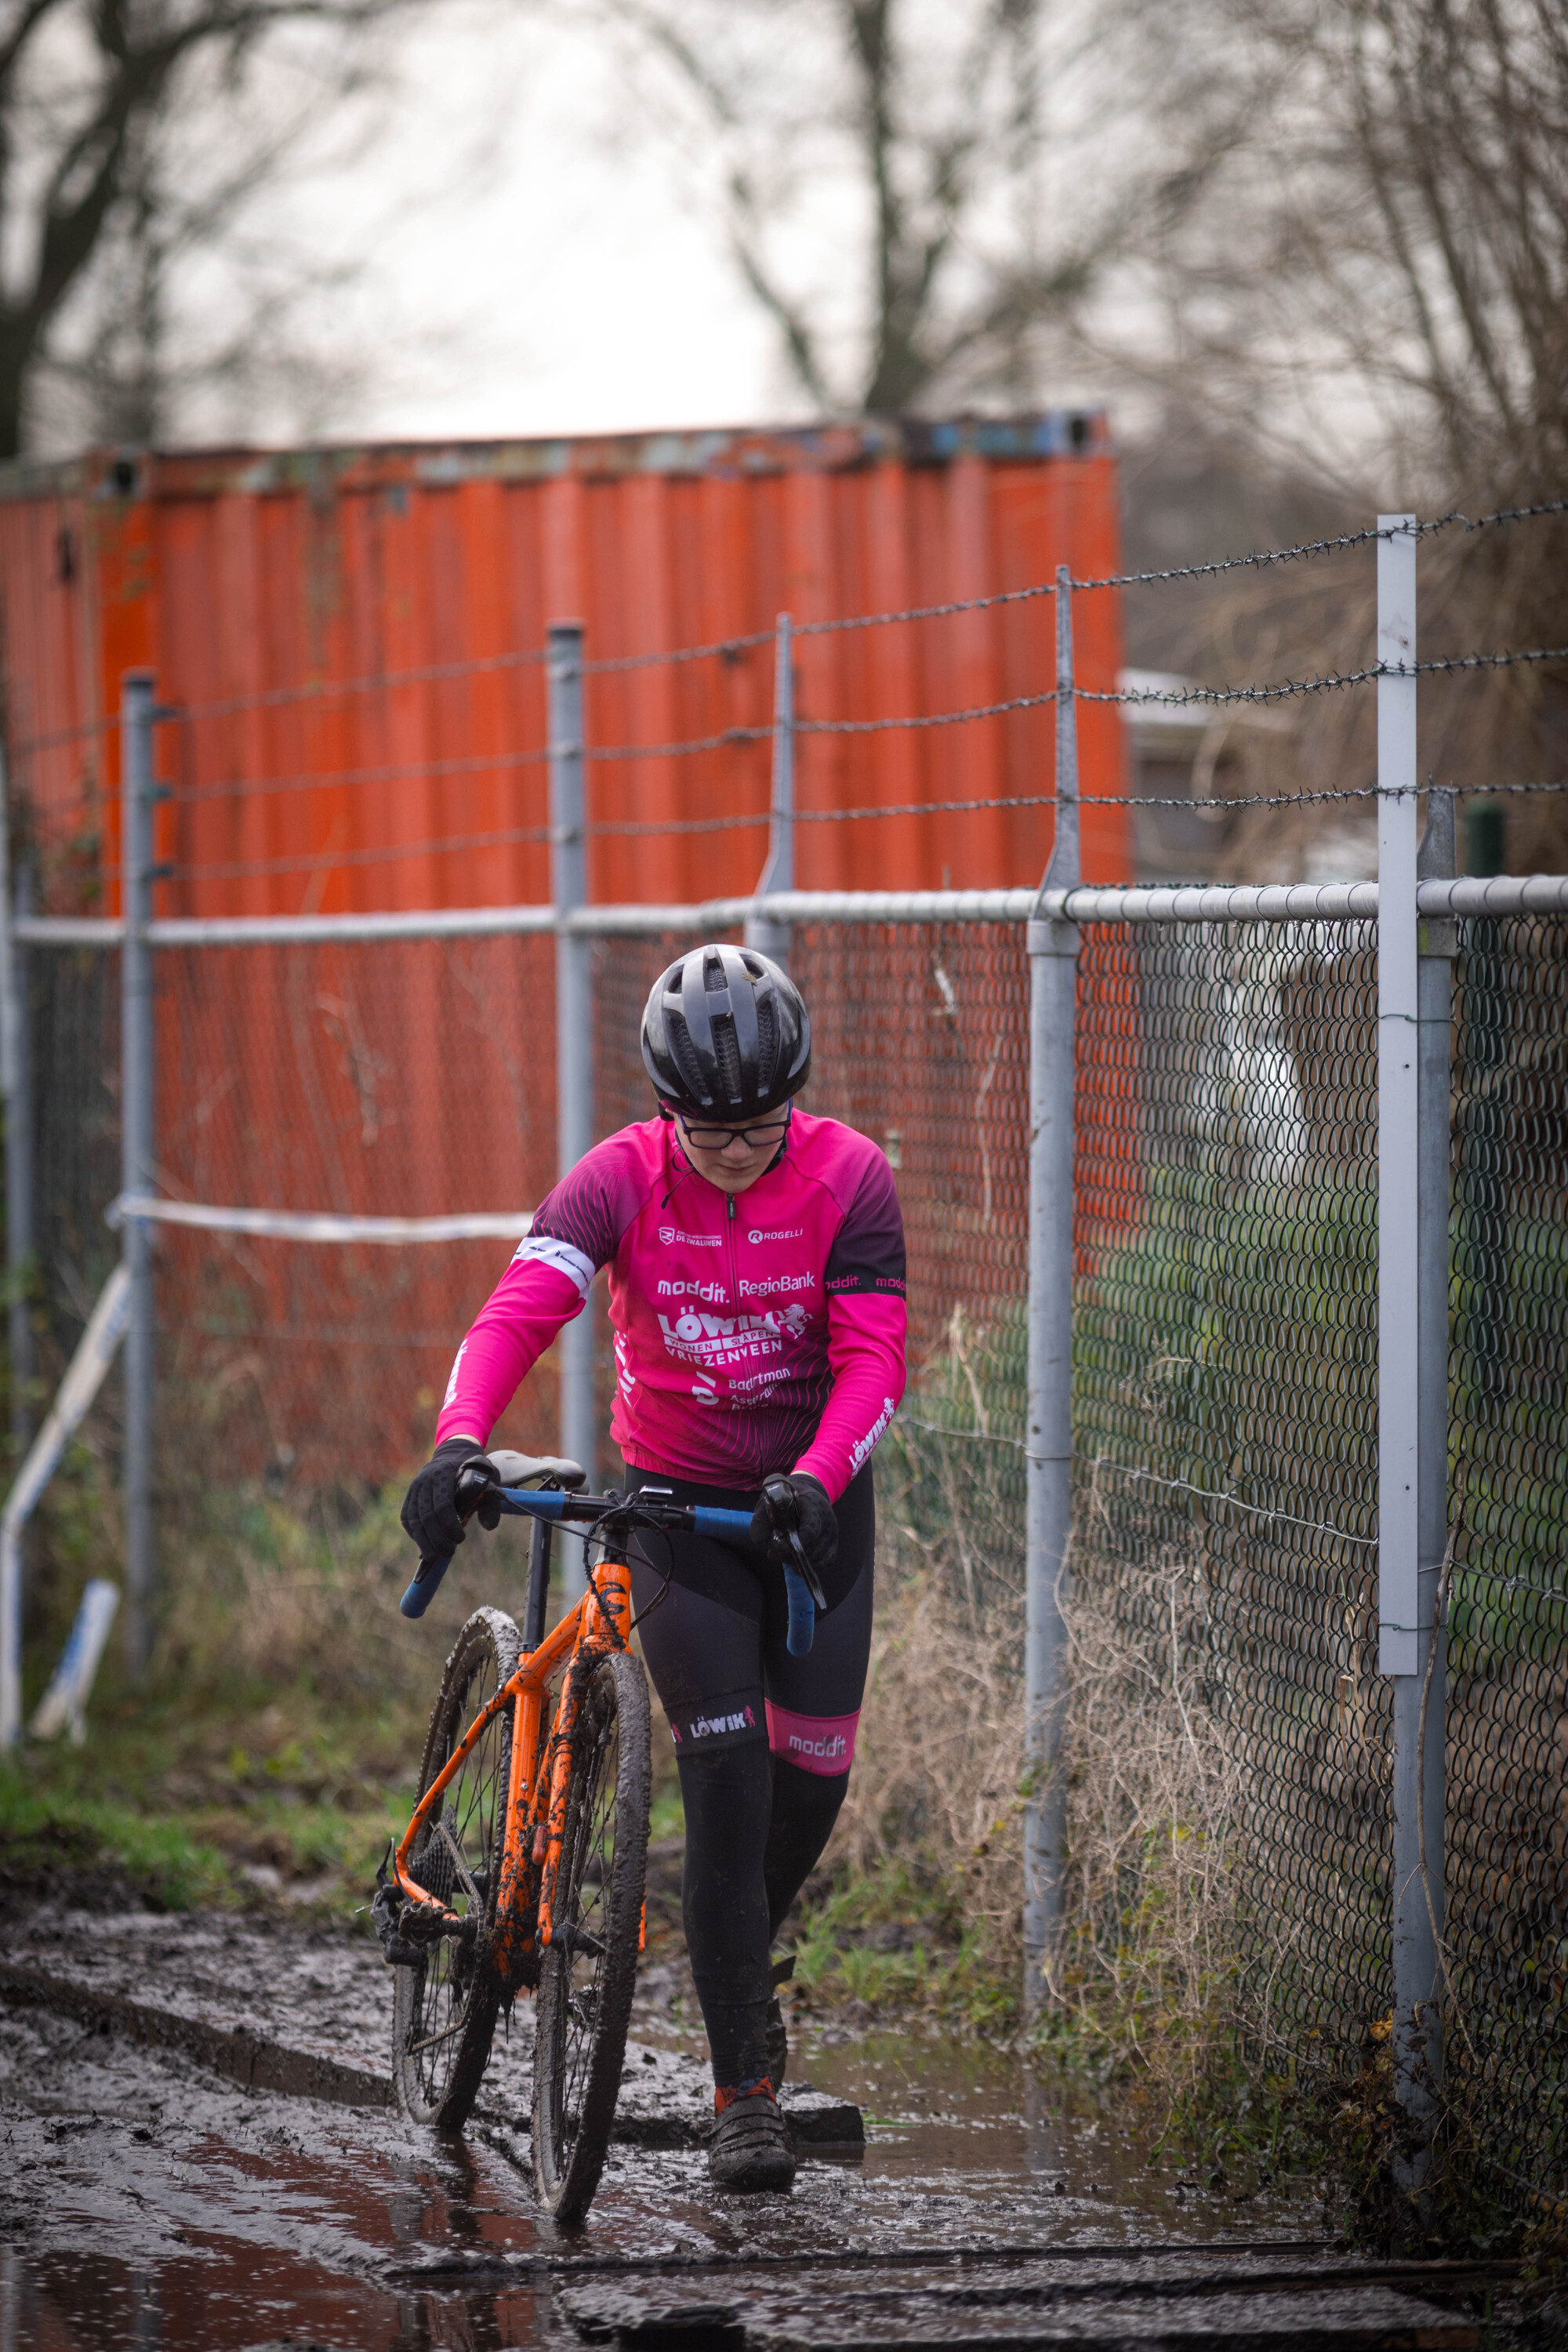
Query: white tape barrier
x=81 y=1384
x=63 y=1707
x=287 y=1226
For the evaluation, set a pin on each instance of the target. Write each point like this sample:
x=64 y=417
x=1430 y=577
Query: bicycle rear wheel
x=445 y=2005
x=588 y=1974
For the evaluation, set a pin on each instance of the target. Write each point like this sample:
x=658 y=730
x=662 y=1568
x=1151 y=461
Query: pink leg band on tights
x=818 y=1743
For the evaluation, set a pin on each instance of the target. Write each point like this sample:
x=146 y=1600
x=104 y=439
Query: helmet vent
x=690 y=1067
x=727 y=1054
x=767 y=1042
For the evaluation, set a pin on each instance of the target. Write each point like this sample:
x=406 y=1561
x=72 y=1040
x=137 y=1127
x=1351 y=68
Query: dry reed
x=1147 y=1973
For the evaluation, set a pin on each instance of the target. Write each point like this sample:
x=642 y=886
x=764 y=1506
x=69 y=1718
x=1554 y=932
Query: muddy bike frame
x=540 y=1780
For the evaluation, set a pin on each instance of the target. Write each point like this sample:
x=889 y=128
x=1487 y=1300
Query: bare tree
x=1384 y=236
x=915 y=190
x=1378 y=274
x=96 y=98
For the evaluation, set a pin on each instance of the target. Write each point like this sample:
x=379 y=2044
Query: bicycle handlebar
x=555 y=1505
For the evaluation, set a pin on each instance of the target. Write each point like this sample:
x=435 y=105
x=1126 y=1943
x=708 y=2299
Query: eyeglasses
x=717 y=1138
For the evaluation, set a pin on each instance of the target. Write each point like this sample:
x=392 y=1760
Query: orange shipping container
x=353 y=637
x=348 y=644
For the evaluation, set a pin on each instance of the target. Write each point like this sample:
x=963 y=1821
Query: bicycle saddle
x=529 y=1469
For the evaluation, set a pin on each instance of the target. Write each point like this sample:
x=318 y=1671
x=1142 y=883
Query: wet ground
x=154 y=2195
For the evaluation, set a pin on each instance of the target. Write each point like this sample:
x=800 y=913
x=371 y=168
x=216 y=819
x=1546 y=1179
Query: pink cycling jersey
x=753 y=1331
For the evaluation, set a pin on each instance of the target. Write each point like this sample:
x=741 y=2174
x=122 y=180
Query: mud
x=186 y=2184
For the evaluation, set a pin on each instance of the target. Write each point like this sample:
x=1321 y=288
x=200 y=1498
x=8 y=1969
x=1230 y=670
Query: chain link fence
x=1224 y=1397
x=1508 y=1615
x=71 y=997
x=413 y=1077
x=1224 y=1350
x=1224 y=1430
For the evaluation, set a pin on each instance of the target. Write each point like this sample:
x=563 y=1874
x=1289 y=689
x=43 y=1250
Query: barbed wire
x=633 y=827
x=925 y=611
x=1305 y=549
x=1328 y=682
x=325 y=861
x=674 y=827
x=1302 y=551
x=1144 y=698
x=55 y=738
x=375 y=681
x=429 y=672
x=276 y=697
x=1222 y=804
x=409 y=771
x=726 y=741
x=1503 y=514
x=722 y=649
x=935 y=719
x=732 y=736
x=1218 y=805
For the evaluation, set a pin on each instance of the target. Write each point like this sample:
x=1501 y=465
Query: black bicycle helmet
x=725 y=1036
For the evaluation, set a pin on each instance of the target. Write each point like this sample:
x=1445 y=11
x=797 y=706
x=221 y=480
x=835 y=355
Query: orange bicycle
x=522 y=1866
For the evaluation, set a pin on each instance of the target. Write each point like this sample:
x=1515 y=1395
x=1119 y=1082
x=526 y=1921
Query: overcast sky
x=538 y=267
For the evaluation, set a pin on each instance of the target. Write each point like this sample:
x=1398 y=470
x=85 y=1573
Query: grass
x=275 y=1743
x=882 y=1943
x=56 y=1837
x=186 y=1812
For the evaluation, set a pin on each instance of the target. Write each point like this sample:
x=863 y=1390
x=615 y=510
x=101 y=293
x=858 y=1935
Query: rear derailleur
x=408 y=1931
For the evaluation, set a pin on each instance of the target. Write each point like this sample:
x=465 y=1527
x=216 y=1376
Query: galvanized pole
x=1420 y=1700
x=15 y=1083
x=136 y=1106
x=574 y=1001
x=1403 y=1371
x=1053 y=981
x=778 y=873
x=1397 y=1313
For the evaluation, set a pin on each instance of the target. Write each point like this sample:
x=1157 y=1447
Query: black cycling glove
x=802 y=1499
x=430 y=1506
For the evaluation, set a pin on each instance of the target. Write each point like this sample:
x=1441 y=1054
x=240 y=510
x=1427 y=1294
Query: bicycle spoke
x=446 y=2010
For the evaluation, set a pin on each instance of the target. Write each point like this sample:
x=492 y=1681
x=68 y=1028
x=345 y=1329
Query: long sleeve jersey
x=754 y=1333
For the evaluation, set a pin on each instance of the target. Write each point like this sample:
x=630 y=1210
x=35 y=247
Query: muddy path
x=197 y=2150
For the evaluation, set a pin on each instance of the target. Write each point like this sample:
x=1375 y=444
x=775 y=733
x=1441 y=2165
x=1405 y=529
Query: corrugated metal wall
x=353 y=642
x=354 y=635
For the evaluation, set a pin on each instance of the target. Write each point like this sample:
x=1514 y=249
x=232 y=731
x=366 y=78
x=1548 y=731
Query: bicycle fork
x=536 y=1835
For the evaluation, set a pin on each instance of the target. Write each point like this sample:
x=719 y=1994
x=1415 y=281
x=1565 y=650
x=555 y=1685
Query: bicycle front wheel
x=588 y=1974
x=445 y=2005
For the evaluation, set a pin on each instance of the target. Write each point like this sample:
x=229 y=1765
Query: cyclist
x=756 y=1296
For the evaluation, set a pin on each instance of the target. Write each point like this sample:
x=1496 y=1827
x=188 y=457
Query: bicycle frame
x=540 y=1779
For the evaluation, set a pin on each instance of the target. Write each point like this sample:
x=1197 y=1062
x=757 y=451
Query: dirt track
x=199 y=2154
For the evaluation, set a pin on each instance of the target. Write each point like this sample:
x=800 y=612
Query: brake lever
x=471 y=1489
x=804 y=1569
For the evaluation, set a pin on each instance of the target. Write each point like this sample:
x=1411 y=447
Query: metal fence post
x=1420 y=1700
x=1398 y=1628
x=574 y=1001
x=1408 y=1332
x=1053 y=982
x=15 y=1084
x=769 y=938
x=136 y=1106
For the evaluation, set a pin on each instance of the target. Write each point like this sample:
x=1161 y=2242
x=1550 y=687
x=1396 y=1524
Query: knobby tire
x=588 y=1973
x=445 y=2008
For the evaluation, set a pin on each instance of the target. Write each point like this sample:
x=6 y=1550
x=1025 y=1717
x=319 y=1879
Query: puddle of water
x=147 y=2204
x=961 y=2120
